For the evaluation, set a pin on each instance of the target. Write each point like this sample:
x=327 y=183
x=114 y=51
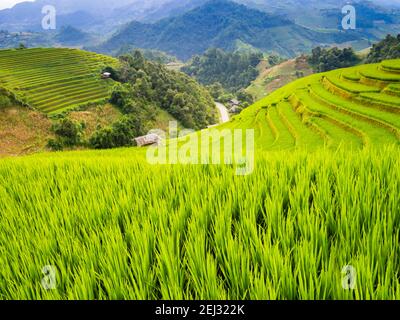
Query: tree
x=21 y=46
x=330 y=59
x=69 y=132
x=216 y=90
x=120 y=134
x=233 y=70
x=245 y=97
x=146 y=86
x=389 y=48
x=4 y=101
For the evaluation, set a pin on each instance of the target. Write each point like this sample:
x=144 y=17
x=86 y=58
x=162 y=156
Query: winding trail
x=223 y=112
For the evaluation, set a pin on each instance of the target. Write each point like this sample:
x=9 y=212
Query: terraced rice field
x=110 y=225
x=356 y=107
x=53 y=80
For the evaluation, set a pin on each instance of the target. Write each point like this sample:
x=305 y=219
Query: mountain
x=315 y=11
x=93 y=15
x=28 y=15
x=72 y=36
x=152 y=11
x=221 y=23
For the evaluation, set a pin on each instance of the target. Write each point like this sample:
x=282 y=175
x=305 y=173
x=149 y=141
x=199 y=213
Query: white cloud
x=10 y=3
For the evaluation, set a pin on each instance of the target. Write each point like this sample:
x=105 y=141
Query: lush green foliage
x=54 y=80
x=146 y=84
x=274 y=60
x=119 y=134
x=4 y=101
x=68 y=134
x=330 y=59
x=149 y=54
x=389 y=48
x=115 y=227
x=70 y=130
x=234 y=71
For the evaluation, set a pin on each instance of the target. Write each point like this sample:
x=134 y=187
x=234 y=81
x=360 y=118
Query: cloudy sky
x=9 y=3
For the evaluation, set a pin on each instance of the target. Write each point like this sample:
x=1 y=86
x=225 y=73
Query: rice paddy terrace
x=53 y=80
x=355 y=107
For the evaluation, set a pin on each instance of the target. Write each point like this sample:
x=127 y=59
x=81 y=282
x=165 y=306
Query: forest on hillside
x=233 y=70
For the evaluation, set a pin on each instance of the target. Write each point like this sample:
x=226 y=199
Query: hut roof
x=147 y=140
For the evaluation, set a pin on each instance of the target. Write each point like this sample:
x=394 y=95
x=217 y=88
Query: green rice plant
x=115 y=227
x=304 y=135
x=382 y=97
x=352 y=76
x=369 y=111
x=366 y=129
x=285 y=139
x=350 y=86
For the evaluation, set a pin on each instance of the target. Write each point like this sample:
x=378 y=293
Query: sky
x=9 y=3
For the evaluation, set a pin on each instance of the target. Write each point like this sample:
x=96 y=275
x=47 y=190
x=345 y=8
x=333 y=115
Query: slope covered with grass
x=357 y=107
x=53 y=80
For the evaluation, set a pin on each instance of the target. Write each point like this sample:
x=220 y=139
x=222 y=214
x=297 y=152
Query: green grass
x=350 y=86
x=352 y=76
x=304 y=135
x=382 y=97
x=118 y=228
x=54 y=80
x=393 y=65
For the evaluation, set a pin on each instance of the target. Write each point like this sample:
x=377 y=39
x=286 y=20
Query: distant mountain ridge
x=102 y=19
x=93 y=15
x=222 y=23
x=105 y=16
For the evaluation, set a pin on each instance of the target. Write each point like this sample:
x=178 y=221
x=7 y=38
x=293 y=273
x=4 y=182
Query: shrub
x=4 y=101
x=120 y=134
x=69 y=132
x=55 y=145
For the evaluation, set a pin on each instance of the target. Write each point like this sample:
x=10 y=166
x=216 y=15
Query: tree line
x=233 y=70
x=322 y=59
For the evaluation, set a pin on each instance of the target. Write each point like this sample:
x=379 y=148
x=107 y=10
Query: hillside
x=272 y=78
x=220 y=23
x=54 y=80
x=72 y=36
x=233 y=71
x=357 y=107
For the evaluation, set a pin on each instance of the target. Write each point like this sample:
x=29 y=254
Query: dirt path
x=223 y=112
